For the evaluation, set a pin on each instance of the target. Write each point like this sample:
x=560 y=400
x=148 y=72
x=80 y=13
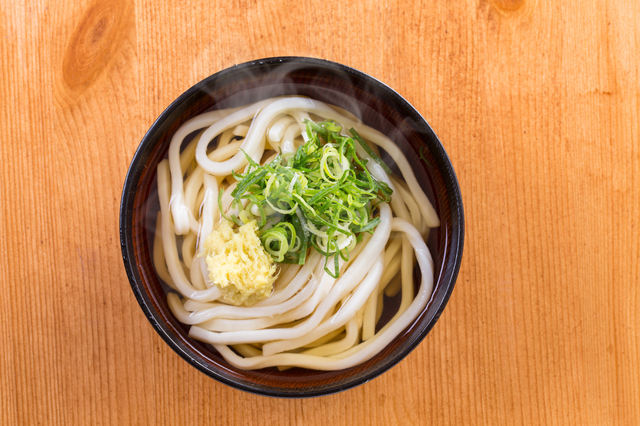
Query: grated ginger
x=239 y=265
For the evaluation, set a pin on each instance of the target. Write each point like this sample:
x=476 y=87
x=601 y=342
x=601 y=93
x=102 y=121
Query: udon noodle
x=311 y=320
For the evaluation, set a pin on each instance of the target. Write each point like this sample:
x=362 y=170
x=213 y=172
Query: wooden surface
x=536 y=102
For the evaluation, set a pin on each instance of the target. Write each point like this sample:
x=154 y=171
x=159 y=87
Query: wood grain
x=536 y=102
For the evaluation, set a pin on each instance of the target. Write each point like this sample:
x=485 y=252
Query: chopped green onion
x=321 y=196
x=367 y=148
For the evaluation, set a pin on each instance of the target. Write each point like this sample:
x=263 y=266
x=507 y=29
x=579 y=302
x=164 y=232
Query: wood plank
x=537 y=104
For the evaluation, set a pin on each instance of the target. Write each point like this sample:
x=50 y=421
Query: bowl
x=377 y=105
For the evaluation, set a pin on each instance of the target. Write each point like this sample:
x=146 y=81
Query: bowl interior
x=379 y=107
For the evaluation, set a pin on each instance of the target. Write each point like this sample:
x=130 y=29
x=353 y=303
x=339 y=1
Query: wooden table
x=537 y=103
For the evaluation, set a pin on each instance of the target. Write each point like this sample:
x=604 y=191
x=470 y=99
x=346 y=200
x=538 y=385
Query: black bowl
x=378 y=106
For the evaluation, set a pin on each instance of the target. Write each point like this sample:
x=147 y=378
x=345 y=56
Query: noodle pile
x=311 y=320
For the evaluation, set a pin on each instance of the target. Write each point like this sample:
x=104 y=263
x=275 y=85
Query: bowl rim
x=126 y=207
